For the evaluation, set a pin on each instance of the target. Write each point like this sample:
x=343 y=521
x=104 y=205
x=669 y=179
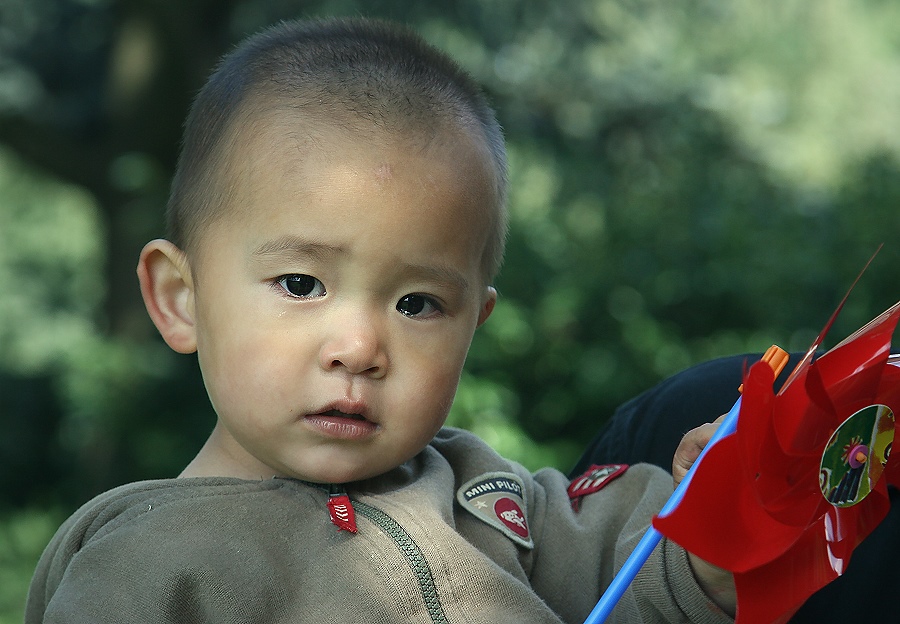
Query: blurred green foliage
x=689 y=180
x=23 y=535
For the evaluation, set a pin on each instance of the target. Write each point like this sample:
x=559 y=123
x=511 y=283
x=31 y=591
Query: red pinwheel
x=783 y=501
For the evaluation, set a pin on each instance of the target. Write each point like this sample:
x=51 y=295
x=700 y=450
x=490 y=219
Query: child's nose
x=355 y=346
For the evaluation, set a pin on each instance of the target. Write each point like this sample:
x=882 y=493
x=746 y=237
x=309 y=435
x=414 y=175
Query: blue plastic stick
x=651 y=538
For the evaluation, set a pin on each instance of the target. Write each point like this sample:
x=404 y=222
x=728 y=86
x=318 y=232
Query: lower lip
x=340 y=427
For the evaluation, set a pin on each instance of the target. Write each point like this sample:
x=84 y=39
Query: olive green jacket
x=222 y=550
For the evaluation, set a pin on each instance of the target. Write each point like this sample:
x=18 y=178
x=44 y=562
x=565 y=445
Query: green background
x=689 y=180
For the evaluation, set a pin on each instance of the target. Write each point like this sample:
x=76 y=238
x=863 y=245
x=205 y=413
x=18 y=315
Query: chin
x=340 y=474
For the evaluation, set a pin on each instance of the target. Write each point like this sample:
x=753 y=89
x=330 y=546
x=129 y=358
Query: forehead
x=433 y=182
x=302 y=148
x=266 y=129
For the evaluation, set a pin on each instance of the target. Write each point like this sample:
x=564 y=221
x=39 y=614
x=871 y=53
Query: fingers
x=690 y=447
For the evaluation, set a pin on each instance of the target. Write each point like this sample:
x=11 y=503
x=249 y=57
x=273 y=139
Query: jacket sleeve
x=578 y=553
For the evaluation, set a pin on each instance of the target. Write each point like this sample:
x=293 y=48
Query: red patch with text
x=593 y=480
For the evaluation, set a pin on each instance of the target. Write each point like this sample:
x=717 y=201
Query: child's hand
x=717 y=583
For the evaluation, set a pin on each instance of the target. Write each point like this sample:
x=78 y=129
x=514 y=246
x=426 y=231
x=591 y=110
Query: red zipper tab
x=341 y=511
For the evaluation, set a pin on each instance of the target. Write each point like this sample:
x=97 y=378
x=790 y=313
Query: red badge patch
x=593 y=480
x=511 y=515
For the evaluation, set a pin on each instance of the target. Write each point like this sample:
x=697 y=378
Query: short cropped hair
x=349 y=72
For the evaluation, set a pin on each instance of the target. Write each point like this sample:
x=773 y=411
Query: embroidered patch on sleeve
x=593 y=480
x=496 y=499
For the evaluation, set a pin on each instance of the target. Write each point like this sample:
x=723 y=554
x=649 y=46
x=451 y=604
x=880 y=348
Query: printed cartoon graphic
x=511 y=515
x=856 y=454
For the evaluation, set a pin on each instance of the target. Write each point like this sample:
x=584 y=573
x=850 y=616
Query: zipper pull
x=341 y=510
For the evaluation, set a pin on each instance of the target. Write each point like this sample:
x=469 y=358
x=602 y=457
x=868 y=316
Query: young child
x=336 y=221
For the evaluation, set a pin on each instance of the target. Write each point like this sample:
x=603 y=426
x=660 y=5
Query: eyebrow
x=296 y=246
x=440 y=274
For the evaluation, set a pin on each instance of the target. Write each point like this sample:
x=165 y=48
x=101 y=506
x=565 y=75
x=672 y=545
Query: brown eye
x=417 y=305
x=303 y=286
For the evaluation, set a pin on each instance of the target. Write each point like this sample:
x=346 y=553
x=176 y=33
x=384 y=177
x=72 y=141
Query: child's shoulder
x=142 y=493
x=460 y=444
x=163 y=499
x=467 y=455
x=167 y=534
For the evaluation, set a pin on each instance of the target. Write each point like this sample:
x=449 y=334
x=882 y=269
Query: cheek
x=242 y=365
x=438 y=375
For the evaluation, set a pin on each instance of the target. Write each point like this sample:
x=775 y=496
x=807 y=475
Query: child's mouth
x=343 y=425
x=341 y=414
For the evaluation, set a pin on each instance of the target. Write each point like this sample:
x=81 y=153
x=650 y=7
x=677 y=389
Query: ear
x=168 y=290
x=487 y=305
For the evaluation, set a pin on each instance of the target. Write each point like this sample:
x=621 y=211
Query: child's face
x=335 y=306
